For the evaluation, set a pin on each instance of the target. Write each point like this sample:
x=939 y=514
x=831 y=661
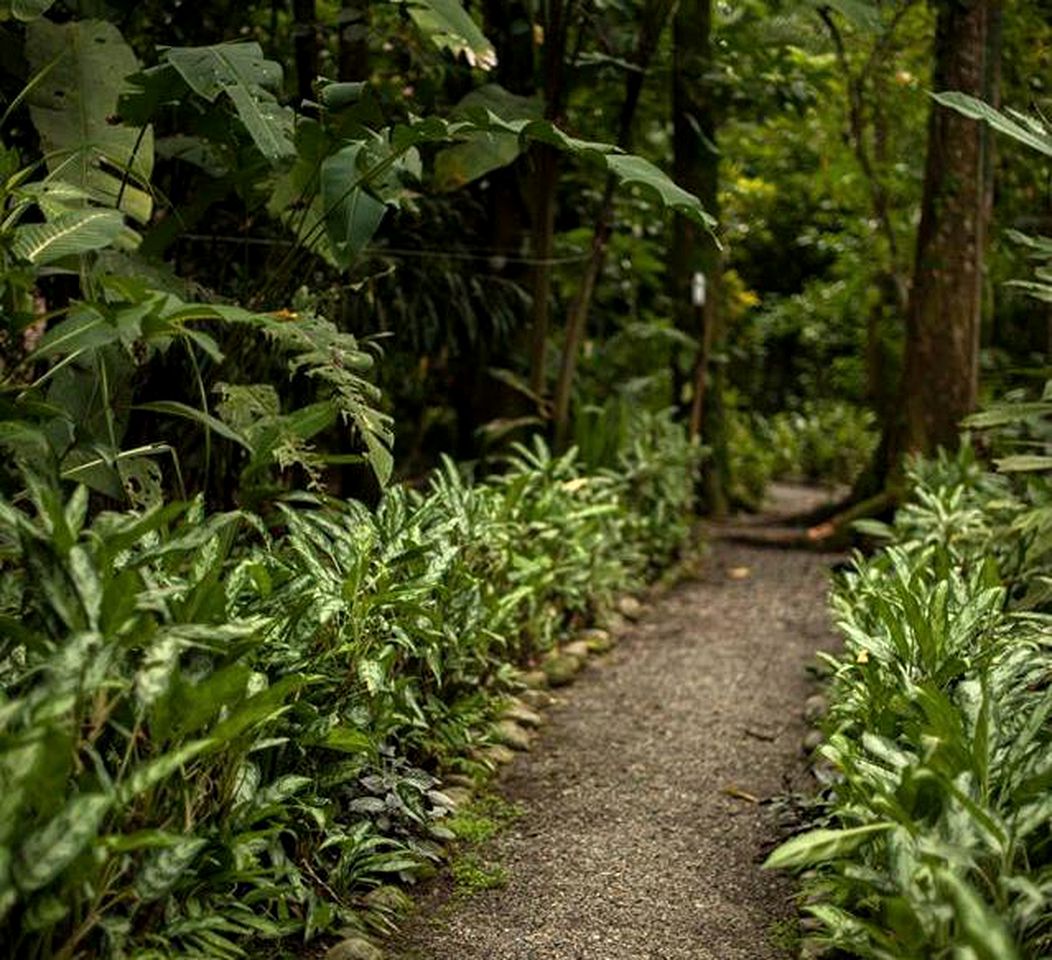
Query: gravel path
x=639 y=838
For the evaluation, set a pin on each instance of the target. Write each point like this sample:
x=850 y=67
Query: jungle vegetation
x=353 y=355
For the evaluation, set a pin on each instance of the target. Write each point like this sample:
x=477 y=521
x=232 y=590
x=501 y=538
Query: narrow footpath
x=644 y=825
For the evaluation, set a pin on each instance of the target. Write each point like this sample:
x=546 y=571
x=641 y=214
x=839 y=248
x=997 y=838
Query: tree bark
x=941 y=366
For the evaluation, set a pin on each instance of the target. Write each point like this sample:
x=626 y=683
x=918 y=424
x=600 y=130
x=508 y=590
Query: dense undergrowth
x=823 y=441
x=216 y=727
x=938 y=736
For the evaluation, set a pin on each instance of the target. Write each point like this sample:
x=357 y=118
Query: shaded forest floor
x=643 y=821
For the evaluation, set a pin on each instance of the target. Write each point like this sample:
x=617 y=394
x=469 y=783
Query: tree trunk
x=544 y=183
x=305 y=46
x=695 y=264
x=354 y=40
x=941 y=367
x=655 y=16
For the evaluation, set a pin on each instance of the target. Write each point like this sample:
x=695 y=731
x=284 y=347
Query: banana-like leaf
x=69 y=234
x=451 y=28
x=73 y=106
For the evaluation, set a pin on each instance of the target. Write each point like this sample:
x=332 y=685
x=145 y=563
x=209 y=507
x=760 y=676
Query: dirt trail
x=639 y=840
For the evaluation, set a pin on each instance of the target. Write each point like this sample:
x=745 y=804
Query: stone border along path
x=642 y=836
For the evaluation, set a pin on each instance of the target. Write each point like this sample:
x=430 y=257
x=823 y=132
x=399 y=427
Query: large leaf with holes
x=68 y=234
x=73 y=106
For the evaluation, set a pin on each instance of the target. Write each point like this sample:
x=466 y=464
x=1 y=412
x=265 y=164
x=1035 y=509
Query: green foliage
x=938 y=732
x=214 y=731
x=80 y=70
x=828 y=442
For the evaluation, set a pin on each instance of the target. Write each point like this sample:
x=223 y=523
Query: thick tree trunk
x=940 y=378
x=695 y=263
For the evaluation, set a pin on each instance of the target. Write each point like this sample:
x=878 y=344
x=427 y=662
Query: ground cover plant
x=938 y=730
x=218 y=728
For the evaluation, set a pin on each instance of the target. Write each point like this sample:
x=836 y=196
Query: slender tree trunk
x=305 y=47
x=695 y=263
x=543 y=189
x=354 y=40
x=941 y=370
x=655 y=16
x=542 y=245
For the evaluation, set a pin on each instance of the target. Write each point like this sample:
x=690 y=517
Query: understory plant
x=217 y=728
x=939 y=732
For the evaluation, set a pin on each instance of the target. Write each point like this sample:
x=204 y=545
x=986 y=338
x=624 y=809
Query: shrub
x=939 y=735
x=213 y=730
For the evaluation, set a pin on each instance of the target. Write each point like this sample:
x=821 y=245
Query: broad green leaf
x=480 y=153
x=242 y=73
x=635 y=171
x=1032 y=136
x=48 y=851
x=451 y=28
x=70 y=234
x=818 y=846
x=73 y=106
x=352 y=215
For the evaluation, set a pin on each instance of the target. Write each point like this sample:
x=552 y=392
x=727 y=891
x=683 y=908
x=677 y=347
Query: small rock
x=388 y=899
x=521 y=714
x=497 y=755
x=596 y=640
x=535 y=679
x=457 y=780
x=511 y=735
x=538 y=699
x=459 y=796
x=354 y=948
x=815 y=708
x=616 y=624
x=813 y=741
x=630 y=607
x=578 y=648
x=562 y=668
